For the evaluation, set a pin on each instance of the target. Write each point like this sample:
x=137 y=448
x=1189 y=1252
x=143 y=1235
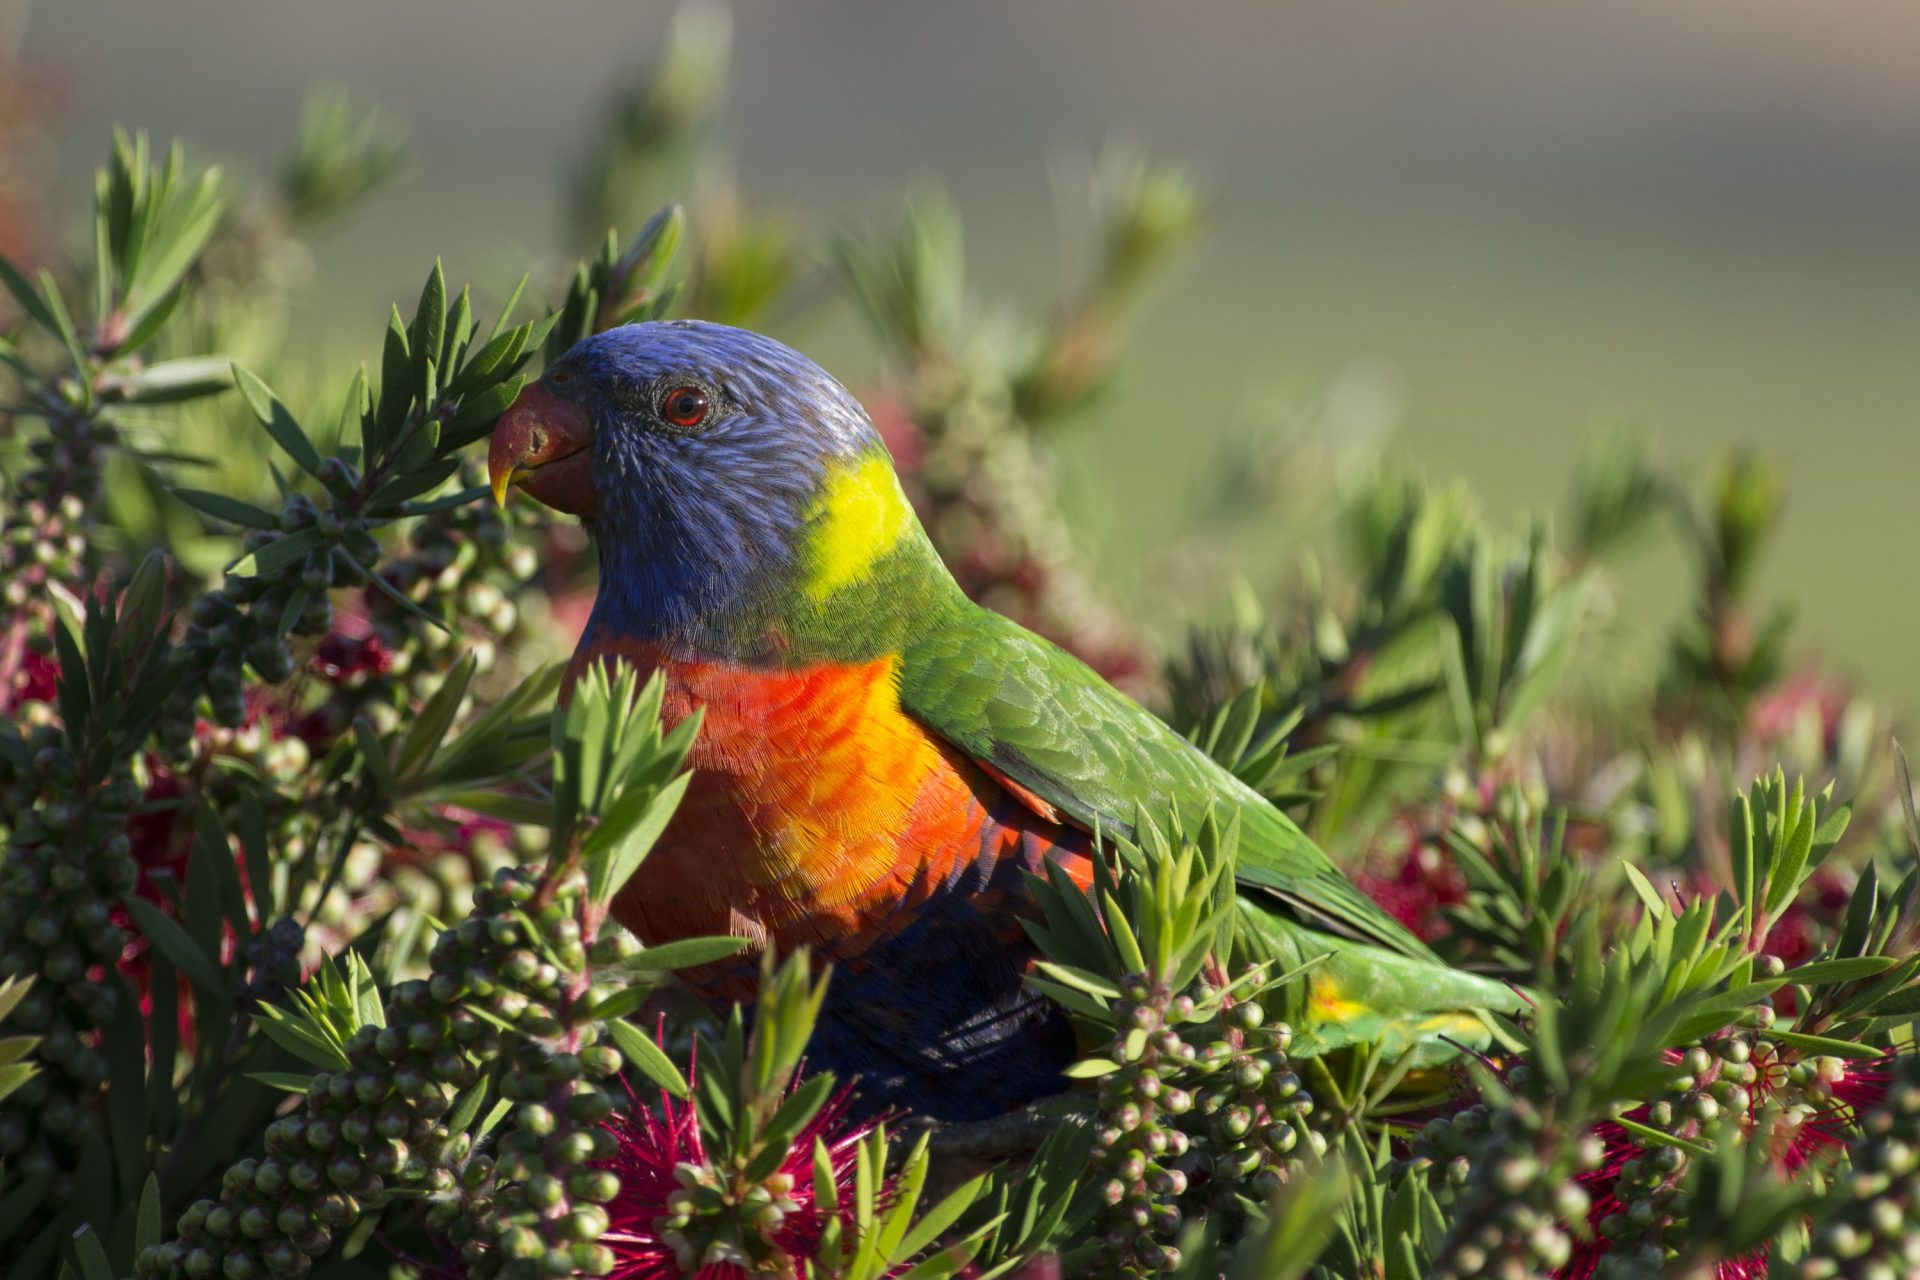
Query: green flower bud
x=585 y=1224
x=596 y=1186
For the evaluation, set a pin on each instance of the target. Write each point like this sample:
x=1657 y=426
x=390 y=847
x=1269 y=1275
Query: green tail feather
x=1355 y=993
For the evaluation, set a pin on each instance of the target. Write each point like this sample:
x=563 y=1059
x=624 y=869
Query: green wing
x=1043 y=718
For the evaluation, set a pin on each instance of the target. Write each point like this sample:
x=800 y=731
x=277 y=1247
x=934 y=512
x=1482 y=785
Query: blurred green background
x=1474 y=232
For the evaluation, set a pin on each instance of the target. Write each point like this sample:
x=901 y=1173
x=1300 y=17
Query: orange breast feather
x=819 y=813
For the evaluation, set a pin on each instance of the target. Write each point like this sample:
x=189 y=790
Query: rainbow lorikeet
x=881 y=760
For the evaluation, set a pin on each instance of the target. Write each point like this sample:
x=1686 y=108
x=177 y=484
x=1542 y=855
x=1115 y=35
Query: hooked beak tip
x=501 y=479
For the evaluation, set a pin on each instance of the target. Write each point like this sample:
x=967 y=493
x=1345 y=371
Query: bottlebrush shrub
x=305 y=966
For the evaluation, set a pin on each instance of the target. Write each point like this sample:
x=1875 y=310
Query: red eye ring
x=684 y=406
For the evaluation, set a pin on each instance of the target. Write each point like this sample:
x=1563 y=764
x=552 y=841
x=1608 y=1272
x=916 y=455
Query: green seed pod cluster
x=277 y=756
x=462 y=564
x=1511 y=1205
x=68 y=862
x=273 y=963
x=1873 y=1227
x=537 y=1208
x=1719 y=1078
x=244 y=624
x=368 y=1131
x=436 y=873
x=466 y=565
x=378 y=1128
x=1203 y=1114
x=39 y=544
x=717 y=1217
x=47 y=535
x=1643 y=1188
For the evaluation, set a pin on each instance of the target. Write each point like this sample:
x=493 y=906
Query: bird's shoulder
x=1022 y=705
x=1042 y=719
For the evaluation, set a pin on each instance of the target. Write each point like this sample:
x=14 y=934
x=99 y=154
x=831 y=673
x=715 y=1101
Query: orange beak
x=545 y=445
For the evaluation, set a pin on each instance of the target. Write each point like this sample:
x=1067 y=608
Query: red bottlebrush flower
x=1600 y=1185
x=1416 y=891
x=570 y=611
x=454 y=832
x=161 y=839
x=352 y=659
x=1807 y=695
x=898 y=431
x=36 y=679
x=161 y=836
x=663 y=1159
x=1839 y=1091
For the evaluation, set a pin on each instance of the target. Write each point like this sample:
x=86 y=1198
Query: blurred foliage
x=304 y=959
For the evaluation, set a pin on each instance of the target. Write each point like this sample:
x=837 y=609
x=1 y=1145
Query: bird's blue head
x=726 y=479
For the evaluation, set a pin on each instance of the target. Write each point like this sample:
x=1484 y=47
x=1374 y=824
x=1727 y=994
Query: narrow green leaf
x=1091 y=1069
x=1846 y=969
x=684 y=954
x=1069 y=999
x=1791 y=861
x=628 y=843
x=146 y=1223
x=1660 y=1137
x=279 y=422
x=378 y=581
x=15 y=1048
x=154 y=320
x=467 y=1105
x=1643 y=888
x=203 y=901
x=172 y=941
x=1121 y=932
x=396 y=390
x=173 y=381
x=287 y=550
x=428 y=332
x=1080 y=980
x=15 y=1074
x=411 y=484
x=91 y=1255
x=648 y=1058
x=27 y=295
x=1824 y=1046
x=12 y=992
x=126 y=1051
x=232 y=510
x=300 y=1041
x=1740 y=851
x=620 y=1003
x=795 y=1111
x=936 y=1221
x=373 y=754
x=429 y=729
x=251 y=827
x=63 y=325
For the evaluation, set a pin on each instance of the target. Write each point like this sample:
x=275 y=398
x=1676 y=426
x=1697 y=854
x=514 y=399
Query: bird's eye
x=684 y=406
x=563 y=382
